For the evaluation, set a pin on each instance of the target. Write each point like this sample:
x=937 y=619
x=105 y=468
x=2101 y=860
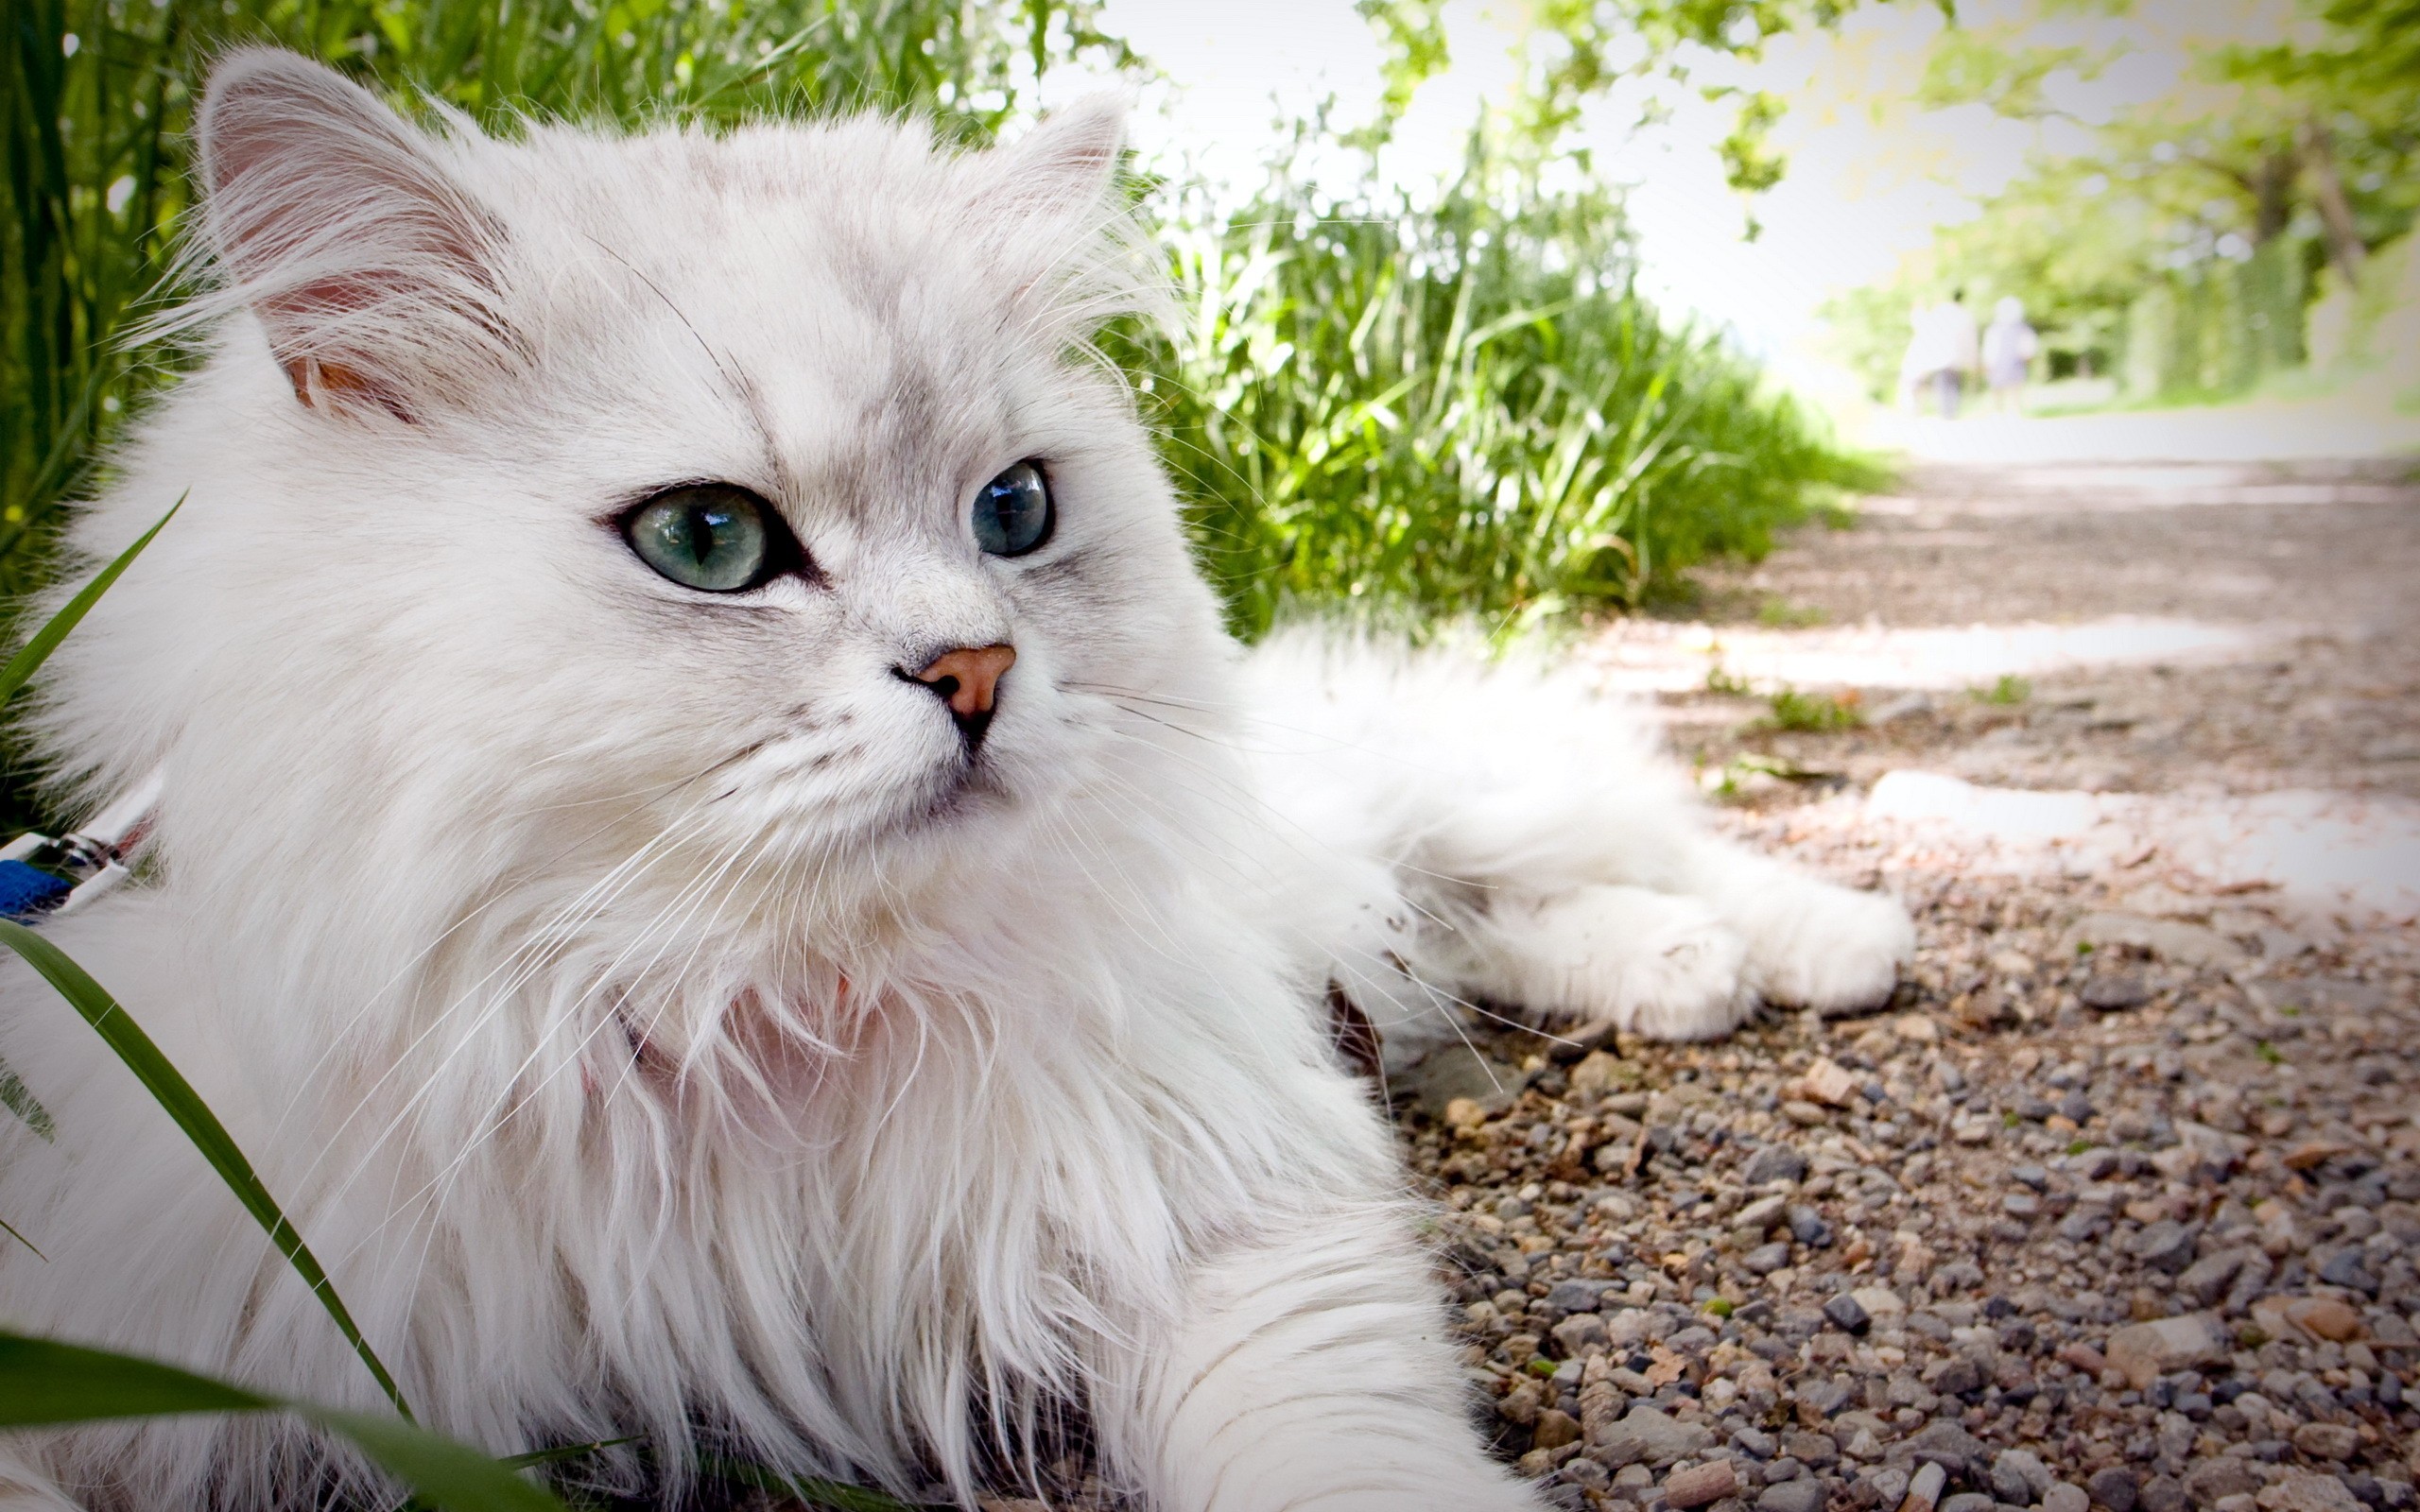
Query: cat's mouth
x=970 y=789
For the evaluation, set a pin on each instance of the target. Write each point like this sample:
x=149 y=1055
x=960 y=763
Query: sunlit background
x=1918 y=147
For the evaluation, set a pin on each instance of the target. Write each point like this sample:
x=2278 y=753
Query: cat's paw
x=1829 y=949
x=1662 y=965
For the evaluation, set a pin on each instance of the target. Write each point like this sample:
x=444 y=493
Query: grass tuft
x=1813 y=712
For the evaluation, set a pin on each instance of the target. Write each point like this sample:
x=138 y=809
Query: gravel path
x=2118 y=1205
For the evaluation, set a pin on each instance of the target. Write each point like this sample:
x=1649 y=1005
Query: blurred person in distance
x=1942 y=350
x=2009 y=348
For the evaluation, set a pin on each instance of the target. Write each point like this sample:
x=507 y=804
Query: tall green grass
x=1468 y=411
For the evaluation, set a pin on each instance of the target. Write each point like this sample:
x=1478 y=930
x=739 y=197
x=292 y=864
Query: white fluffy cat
x=716 y=856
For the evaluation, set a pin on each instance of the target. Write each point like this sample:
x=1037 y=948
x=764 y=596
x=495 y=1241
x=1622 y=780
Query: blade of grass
x=45 y=640
x=807 y=1488
x=169 y=1087
x=11 y=1231
x=45 y=1383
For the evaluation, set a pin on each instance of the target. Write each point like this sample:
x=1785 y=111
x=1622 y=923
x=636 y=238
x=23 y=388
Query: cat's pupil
x=709 y=537
x=1012 y=512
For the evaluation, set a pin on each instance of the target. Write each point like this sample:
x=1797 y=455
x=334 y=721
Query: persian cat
x=714 y=852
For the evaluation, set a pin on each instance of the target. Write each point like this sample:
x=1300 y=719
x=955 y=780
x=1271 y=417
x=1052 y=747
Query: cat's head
x=746 y=496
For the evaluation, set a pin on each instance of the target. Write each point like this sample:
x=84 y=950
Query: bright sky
x=1869 y=177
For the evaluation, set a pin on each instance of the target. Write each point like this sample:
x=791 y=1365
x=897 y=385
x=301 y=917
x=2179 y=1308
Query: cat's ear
x=1067 y=165
x=371 y=270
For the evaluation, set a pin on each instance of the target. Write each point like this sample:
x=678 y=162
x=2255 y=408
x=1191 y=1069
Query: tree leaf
x=169 y=1088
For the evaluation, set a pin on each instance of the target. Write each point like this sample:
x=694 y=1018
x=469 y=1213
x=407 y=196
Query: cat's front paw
x=1663 y=965
x=1830 y=950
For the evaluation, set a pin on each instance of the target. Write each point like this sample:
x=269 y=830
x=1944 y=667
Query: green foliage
x=1462 y=412
x=1814 y=714
x=2006 y=692
x=1781 y=614
x=46 y=1383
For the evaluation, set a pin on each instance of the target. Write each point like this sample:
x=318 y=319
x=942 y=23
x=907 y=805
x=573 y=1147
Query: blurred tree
x=2220 y=196
x=1574 y=51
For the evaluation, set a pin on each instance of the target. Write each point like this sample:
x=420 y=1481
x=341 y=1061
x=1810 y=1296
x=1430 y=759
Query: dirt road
x=2118 y=1204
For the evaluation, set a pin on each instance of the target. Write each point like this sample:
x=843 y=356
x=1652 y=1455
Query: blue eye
x=712 y=536
x=1012 y=511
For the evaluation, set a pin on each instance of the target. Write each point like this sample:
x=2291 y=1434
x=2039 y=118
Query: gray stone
x=2162 y=1494
x=1576 y=1296
x=1578 y=1331
x=1766 y=1259
x=1755 y=1442
x=2303 y=1491
x=1457 y=1070
x=1817 y=1450
x=2084 y=1224
x=2114 y=1488
x=1808 y=1226
x=2347 y=1268
x=1947 y=1440
x=2115 y=992
x=2066 y=1496
x=2019 y=1477
x=1957 y=1377
x=1825 y=1398
x=2164 y=1245
x=1774 y=1163
x=1647 y=1437
x=2218 y=1477
x=2205 y=1280
x=1968 y=1502
x=2169 y=939
x=1805 y=1494
x=1847 y=1314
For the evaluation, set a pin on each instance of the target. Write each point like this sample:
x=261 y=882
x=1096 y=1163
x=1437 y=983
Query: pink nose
x=967 y=678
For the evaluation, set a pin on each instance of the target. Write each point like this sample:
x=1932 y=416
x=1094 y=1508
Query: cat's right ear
x=372 y=272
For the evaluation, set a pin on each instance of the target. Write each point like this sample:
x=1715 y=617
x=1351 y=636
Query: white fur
x=1494 y=836
x=646 y=1012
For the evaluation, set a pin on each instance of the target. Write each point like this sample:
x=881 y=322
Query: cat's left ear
x=337 y=223
x=1067 y=165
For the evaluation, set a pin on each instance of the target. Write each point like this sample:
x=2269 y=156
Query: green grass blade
x=806 y=1488
x=10 y=1229
x=45 y=1383
x=560 y=1452
x=439 y=1471
x=45 y=640
x=169 y=1087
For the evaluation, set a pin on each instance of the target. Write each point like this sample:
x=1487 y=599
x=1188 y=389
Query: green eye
x=712 y=536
